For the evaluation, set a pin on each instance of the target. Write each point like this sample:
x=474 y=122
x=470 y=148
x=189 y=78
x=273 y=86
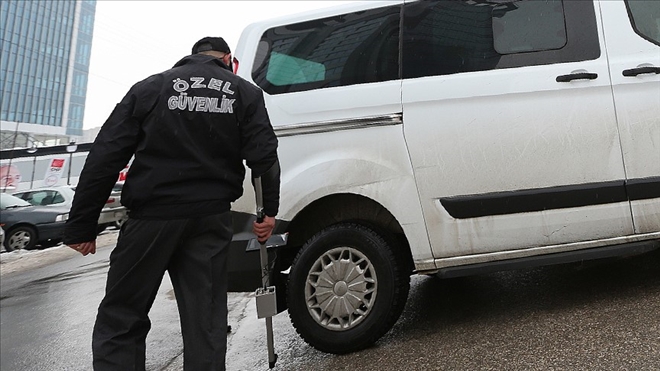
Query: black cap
x=211 y=43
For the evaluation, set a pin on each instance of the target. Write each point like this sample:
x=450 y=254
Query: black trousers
x=194 y=252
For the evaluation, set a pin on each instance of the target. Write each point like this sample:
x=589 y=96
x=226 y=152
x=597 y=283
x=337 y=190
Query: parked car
x=115 y=195
x=2 y=238
x=26 y=225
x=449 y=138
x=112 y=212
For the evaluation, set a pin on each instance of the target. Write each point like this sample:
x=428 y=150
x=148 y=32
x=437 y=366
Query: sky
x=136 y=39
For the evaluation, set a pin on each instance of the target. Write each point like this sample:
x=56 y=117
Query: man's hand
x=264 y=229
x=85 y=247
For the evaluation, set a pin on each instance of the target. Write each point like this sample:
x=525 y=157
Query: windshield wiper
x=15 y=206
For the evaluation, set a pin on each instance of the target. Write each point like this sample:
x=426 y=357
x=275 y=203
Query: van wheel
x=346 y=289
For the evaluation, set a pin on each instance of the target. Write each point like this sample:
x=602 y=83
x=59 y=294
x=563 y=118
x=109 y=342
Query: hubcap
x=341 y=289
x=19 y=240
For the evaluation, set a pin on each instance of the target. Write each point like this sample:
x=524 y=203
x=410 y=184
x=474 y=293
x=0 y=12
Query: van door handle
x=577 y=76
x=640 y=71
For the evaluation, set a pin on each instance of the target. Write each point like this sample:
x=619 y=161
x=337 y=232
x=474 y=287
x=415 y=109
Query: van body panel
x=637 y=100
x=343 y=162
x=509 y=130
x=332 y=104
x=349 y=162
x=372 y=161
x=484 y=138
x=479 y=133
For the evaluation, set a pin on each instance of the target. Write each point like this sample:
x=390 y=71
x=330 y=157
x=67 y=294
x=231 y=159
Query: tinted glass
x=447 y=37
x=528 y=26
x=45 y=197
x=38 y=197
x=344 y=50
x=645 y=18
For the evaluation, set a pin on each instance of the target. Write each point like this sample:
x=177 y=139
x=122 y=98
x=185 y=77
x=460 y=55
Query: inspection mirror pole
x=266 y=292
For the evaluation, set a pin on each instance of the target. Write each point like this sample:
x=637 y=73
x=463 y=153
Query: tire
x=366 y=305
x=21 y=238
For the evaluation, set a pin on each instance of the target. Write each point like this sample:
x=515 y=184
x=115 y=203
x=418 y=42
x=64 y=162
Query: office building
x=46 y=47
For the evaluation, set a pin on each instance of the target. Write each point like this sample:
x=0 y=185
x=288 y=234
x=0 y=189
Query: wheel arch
x=341 y=208
x=22 y=224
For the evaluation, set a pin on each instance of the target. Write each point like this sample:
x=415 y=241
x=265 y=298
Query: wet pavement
x=48 y=305
x=601 y=315
x=587 y=316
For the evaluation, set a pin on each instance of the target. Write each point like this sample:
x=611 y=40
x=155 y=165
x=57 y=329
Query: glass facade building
x=46 y=47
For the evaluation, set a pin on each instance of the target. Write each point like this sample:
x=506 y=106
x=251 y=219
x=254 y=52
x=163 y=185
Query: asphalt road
x=601 y=315
x=48 y=306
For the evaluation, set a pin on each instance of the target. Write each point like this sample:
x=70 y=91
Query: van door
x=510 y=124
x=632 y=35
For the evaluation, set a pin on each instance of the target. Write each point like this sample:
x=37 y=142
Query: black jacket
x=189 y=128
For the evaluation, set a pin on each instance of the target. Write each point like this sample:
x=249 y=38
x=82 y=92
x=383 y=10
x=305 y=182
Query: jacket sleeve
x=259 y=147
x=111 y=151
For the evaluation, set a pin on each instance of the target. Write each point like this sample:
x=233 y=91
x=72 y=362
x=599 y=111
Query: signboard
x=54 y=171
x=122 y=174
x=28 y=172
x=10 y=177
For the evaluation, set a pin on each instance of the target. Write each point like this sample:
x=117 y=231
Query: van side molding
x=339 y=125
x=559 y=197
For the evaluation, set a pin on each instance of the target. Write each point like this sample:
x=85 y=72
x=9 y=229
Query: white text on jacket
x=201 y=104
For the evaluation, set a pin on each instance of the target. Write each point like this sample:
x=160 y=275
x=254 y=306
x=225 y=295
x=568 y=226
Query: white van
x=450 y=138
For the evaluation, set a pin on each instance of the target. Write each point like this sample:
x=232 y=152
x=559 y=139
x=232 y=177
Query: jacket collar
x=199 y=59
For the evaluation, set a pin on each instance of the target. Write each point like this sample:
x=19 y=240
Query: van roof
x=350 y=6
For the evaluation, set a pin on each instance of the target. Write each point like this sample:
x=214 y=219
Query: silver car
x=112 y=214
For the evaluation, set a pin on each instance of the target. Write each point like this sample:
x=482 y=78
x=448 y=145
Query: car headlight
x=62 y=217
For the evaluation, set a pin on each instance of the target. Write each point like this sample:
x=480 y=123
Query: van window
x=645 y=18
x=348 y=49
x=447 y=37
x=287 y=70
x=528 y=26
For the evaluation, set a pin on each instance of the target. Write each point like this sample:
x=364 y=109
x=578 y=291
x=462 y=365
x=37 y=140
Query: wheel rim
x=19 y=240
x=341 y=289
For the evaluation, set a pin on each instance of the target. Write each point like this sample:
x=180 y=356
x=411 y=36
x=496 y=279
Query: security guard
x=189 y=129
